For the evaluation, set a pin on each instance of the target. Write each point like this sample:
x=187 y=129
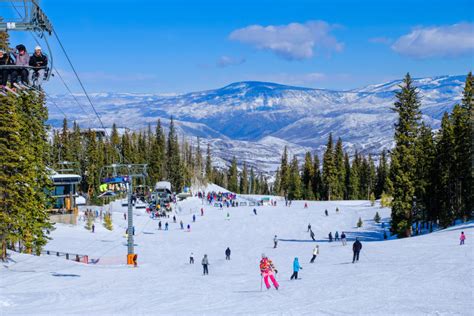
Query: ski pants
x=356 y=256
x=191 y=260
x=227 y=257
x=205 y=270
x=275 y=244
x=462 y=242
x=20 y=75
x=4 y=77
x=270 y=275
x=344 y=242
x=313 y=258
x=36 y=77
x=294 y=275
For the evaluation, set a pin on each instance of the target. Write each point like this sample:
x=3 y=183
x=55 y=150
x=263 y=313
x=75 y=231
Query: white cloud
x=381 y=40
x=437 y=41
x=226 y=61
x=294 y=41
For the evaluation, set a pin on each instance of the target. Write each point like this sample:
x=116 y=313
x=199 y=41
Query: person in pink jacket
x=462 y=238
x=267 y=268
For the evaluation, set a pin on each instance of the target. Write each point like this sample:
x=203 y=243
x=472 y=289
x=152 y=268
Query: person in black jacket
x=5 y=60
x=40 y=61
x=356 y=248
x=227 y=254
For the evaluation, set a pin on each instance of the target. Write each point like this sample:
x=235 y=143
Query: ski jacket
x=38 y=61
x=22 y=60
x=463 y=237
x=6 y=60
x=357 y=246
x=343 y=235
x=266 y=265
x=316 y=251
x=227 y=252
x=205 y=261
x=296 y=265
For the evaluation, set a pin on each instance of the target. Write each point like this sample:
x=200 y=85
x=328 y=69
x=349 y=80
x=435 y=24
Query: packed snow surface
x=428 y=274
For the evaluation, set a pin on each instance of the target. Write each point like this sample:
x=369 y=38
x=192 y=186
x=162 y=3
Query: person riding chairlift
x=5 y=60
x=21 y=59
x=39 y=61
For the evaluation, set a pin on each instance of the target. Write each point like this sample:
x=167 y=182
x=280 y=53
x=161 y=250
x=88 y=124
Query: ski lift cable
x=80 y=82
x=56 y=105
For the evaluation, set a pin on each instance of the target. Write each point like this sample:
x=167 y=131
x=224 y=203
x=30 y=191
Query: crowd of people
x=26 y=69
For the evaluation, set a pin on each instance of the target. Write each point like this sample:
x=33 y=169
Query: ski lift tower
x=126 y=173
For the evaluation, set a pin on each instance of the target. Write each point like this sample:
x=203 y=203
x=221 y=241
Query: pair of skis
x=20 y=87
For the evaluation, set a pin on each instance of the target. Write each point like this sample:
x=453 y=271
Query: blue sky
x=180 y=46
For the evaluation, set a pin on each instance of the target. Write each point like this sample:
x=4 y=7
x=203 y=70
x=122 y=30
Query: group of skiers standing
x=205 y=261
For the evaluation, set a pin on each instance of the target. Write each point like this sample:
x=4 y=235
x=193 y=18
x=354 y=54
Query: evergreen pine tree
x=329 y=176
x=244 y=180
x=208 y=163
x=316 y=181
x=307 y=176
x=294 y=185
x=340 y=171
x=403 y=157
x=284 y=173
x=233 y=177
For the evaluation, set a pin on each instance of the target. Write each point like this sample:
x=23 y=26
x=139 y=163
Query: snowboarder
x=255 y=211
x=343 y=239
x=336 y=236
x=312 y=235
x=227 y=254
x=166 y=226
x=461 y=238
x=194 y=218
x=296 y=269
x=275 y=241
x=205 y=264
x=330 y=237
x=159 y=225
x=315 y=253
x=309 y=228
x=93 y=228
x=266 y=270
x=191 y=258
x=356 y=248
x=326 y=212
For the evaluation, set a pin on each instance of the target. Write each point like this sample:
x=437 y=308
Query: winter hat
x=38 y=47
x=21 y=47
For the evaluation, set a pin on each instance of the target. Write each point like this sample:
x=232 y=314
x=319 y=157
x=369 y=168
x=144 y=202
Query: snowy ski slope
x=430 y=274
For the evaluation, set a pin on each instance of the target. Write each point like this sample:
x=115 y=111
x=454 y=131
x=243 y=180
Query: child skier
x=166 y=226
x=315 y=253
x=296 y=269
x=191 y=258
x=266 y=269
x=462 y=238
x=194 y=218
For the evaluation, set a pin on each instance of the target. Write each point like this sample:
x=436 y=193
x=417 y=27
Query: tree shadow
x=65 y=275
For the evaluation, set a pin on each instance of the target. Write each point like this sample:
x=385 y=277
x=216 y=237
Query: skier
x=228 y=216
x=227 y=254
x=255 y=211
x=275 y=241
x=385 y=235
x=166 y=226
x=343 y=239
x=337 y=209
x=205 y=263
x=159 y=225
x=135 y=263
x=336 y=236
x=202 y=211
x=93 y=228
x=174 y=219
x=326 y=212
x=191 y=258
x=305 y=205
x=462 y=238
x=194 y=218
x=181 y=224
x=296 y=269
x=330 y=237
x=356 y=248
x=312 y=235
x=309 y=228
x=266 y=270
x=189 y=228
x=315 y=253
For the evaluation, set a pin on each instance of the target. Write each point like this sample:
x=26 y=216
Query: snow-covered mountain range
x=255 y=120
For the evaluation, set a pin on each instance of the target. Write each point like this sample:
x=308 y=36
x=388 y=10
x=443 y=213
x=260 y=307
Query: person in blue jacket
x=296 y=268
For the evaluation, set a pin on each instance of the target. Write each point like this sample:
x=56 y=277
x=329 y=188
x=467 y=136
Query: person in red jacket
x=462 y=238
x=267 y=270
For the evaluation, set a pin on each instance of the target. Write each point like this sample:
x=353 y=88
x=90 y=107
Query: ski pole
x=261 y=283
